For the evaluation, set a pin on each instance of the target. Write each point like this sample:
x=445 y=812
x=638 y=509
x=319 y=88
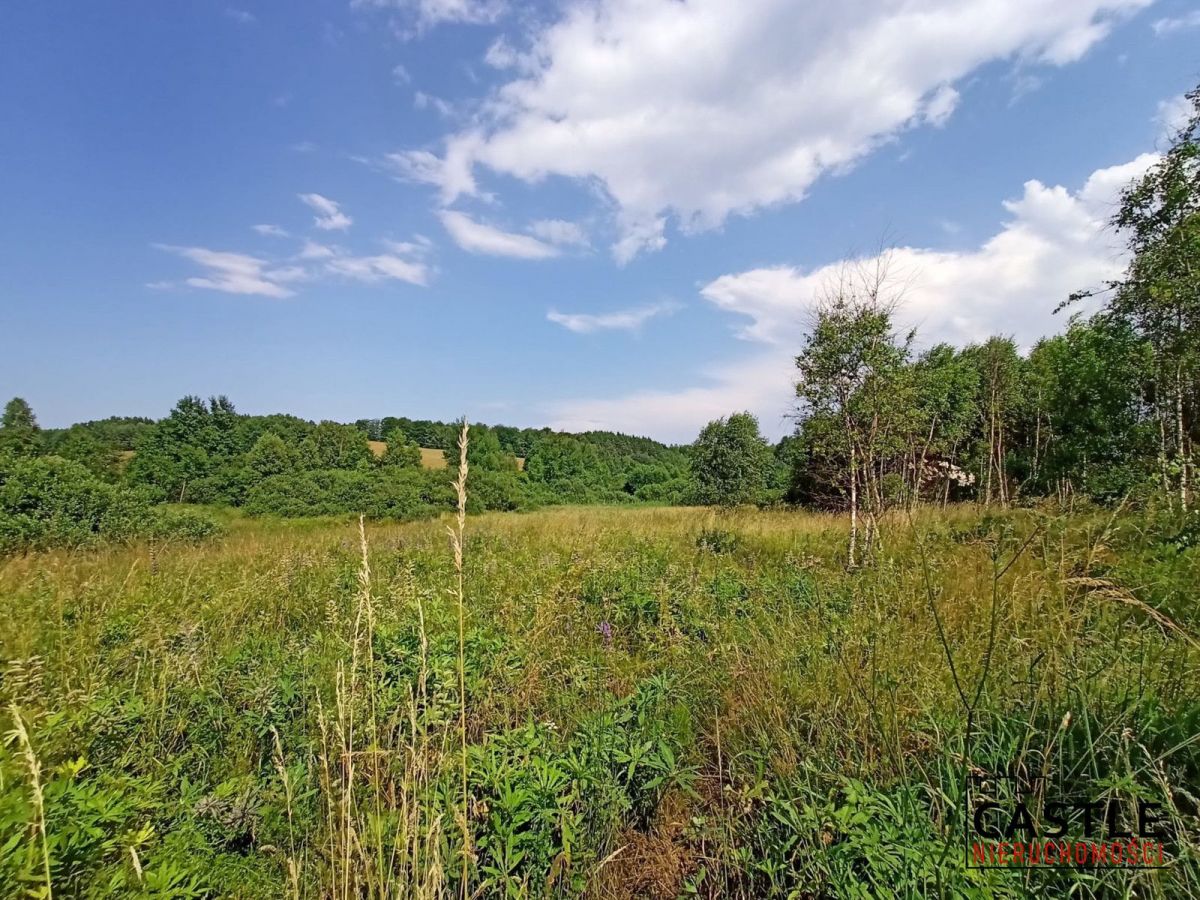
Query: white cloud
x=241 y=16
x=769 y=95
x=1055 y=242
x=270 y=231
x=400 y=74
x=429 y=13
x=758 y=382
x=329 y=216
x=241 y=273
x=313 y=250
x=233 y=273
x=451 y=172
x=477 y=237
x=1173 y=115
x=444 y=108
x=402 y=261
x=418 y=246
x=379 y=268
x=622 y=320
x=1178 y=23
x=941 y=106
x=559 y=232
x=502 y=55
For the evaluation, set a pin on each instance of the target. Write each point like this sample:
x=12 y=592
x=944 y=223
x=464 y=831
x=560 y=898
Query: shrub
x=318 y=492
x=50 y=501
x=386 y=493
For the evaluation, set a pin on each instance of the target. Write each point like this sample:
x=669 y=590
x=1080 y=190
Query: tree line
x=1107 y=409
x=1102 y=410
x=206 y=452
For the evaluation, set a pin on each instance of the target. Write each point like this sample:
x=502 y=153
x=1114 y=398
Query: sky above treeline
x=610 y=214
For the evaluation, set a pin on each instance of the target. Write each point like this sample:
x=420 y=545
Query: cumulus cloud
x=1053 y=243
x=622 y=320
x=270 y=230
x=753 y=383
x=329 y=216
x=478 y=237
x=769 y=95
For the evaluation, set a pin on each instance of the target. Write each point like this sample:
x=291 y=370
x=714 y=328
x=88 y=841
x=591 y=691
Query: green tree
x=401 y=453
x=86 y=447
x=484 y=452
x=271 y=455
x=18 y=414
x=175 y=453
x=19 y=432
x=855 y=392
x=1000 y=371
x=1086 y=426
x=1159 y=295
x=335 y=446
x=731 y=461
x=561 y=457
x=945 y=386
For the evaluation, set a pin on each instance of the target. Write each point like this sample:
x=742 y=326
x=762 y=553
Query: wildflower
x=605 y=631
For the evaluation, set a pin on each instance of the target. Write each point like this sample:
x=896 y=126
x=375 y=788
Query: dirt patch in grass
x=651 y=864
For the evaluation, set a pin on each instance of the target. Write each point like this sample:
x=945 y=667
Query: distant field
x=431 y=458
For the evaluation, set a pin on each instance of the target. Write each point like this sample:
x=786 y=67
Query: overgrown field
x=656 y=702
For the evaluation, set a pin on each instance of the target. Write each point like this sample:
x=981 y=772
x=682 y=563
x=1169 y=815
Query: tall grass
x=456 y=542
x=602 y=702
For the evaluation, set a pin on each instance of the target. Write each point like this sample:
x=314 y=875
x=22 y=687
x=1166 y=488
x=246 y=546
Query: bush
x=496 y=490
x=320 y=492
x=49 y=501
x=389 y=493
x=676 y=491
x=166 y=523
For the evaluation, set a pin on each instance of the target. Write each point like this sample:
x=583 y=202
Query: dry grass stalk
x=21 y=735
x=456 y=542
x=281 y=770
x=1102 y=587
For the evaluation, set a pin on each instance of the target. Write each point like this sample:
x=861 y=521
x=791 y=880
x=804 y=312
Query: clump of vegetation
x=50 y=501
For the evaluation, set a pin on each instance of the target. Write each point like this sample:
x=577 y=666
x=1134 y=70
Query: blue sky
x=608 y=214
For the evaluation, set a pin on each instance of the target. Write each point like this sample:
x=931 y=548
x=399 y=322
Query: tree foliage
x=19 y=432
x=731 y=461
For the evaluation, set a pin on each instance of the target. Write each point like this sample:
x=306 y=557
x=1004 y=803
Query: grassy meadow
x=655 y=702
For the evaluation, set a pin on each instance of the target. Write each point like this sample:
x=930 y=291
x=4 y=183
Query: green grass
x=658 y=702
